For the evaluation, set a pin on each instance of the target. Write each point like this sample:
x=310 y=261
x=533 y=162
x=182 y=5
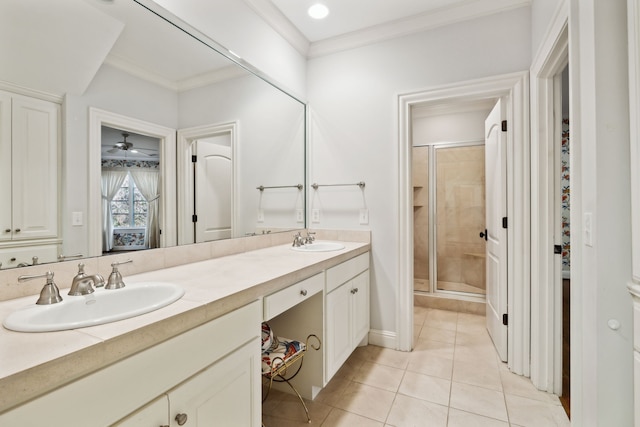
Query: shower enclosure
x=449 y=215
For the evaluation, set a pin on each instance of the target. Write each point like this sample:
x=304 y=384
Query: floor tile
x=441 y=319
x=480 y=374
x=380 y=376
x=478 y=400
x=408 y=411
x=430 y=364
x=367 y=401
x=518 y=385
x=437 y=334
x=425 y=387
x=434 y=348
x=340 y=418
x=459 y=418
x=534 y=413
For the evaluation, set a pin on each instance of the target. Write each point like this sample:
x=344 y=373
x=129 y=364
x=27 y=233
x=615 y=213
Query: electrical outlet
x=315 y=215
x=260 y=215
x=364 y=216
x=299 y=215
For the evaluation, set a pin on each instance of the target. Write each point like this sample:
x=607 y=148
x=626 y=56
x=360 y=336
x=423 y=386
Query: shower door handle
x=483 y=234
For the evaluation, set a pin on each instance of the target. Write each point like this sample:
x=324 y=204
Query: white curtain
x=111 y=182
x=147 y=182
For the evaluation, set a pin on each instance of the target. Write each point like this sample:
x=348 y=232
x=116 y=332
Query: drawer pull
x=303 y=292
x=354 y=290
x=181 y=419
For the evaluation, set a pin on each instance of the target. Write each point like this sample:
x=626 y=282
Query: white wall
x=455 y=127
x=602 y=358
x=237 y=27
x=354 y=130
x=542 y=12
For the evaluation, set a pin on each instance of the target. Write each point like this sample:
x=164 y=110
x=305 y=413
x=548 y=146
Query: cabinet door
x=5 y=166
x=35 y=134
x=360 y=285
x=225 y=394
x=155 y=414
x=339 y=326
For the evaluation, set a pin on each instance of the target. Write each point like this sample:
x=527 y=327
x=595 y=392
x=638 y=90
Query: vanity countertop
x=32 y=364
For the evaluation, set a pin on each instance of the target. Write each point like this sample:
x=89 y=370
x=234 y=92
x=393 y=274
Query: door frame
x=167 y=137
x=546 y=280
x=515 y=87
x=185 y=177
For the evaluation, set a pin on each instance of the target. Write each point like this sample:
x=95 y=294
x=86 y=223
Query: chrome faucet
x=81 y=284
x=50 y=294
x=310 y=238
x=298 y=240
x=115 y=278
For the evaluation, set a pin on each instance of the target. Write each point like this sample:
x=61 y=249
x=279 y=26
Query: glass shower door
x=459 y=218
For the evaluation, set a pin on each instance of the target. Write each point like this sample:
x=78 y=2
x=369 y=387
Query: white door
x=496 y=233
x=213 y=188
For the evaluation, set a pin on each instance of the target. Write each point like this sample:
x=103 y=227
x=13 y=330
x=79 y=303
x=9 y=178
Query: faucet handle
x=115 y=278
x=50 y=294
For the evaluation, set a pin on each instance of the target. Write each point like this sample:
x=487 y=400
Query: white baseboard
x=385 y=339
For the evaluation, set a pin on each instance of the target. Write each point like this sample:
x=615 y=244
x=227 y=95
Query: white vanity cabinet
x=29 y=163
x=211 y=374
x=222 y=395
x=347 y=311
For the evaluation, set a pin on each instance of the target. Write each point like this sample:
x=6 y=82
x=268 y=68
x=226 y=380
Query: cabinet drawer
x=286 y=298
x=339 y=274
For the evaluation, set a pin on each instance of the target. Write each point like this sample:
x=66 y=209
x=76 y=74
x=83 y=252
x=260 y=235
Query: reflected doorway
x=130 y=188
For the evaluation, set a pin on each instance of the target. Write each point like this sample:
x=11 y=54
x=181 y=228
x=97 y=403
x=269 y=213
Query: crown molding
x=464 y=11
x=440 y=17
x=280 y=23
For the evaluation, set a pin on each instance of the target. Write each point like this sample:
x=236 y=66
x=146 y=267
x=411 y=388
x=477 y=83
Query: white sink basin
x=319 y=247
x=102 y=306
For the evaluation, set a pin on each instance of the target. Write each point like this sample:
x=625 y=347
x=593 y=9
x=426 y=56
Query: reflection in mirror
x=130 y=176
x=122 y=67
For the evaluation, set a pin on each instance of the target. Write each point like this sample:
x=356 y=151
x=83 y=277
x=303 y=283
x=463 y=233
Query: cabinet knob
x=181 y=419
x=354 y=290
x=17 y=230
x=303 y=292
x=7 y=230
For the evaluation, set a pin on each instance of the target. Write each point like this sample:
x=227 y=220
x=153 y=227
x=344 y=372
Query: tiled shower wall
x=460 y=206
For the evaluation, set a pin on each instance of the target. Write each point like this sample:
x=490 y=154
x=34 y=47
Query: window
x=128 y=208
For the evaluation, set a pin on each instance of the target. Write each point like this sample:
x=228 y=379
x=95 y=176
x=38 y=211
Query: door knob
x=181 y=419
x=483 y=234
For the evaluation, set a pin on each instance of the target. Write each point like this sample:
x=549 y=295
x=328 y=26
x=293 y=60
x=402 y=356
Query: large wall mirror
x=165 y=137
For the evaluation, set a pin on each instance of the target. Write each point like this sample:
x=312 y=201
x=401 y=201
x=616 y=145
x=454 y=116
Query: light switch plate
x=588 y=229
x=315 y=215
x=76 y=219
x=364 y=216
x=299 y=215
x=260 y=215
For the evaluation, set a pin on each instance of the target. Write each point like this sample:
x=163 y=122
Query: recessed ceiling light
x=318 y=11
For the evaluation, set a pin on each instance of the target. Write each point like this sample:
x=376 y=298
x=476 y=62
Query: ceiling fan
x=127 y=146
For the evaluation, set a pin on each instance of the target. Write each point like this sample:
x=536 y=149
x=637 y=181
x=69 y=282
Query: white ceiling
x=347 y=16
x=353 y=23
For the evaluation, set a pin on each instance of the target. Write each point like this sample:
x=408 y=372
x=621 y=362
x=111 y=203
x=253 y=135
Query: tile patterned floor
x=453 y=378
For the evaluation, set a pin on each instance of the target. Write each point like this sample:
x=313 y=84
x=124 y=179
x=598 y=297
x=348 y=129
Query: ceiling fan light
x=318 y=11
